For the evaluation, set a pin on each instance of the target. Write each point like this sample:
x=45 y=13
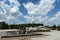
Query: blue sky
x=28 y=11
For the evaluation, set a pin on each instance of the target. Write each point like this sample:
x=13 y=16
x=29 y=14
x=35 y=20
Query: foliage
x=3 y=25
x=17 y=26
x=54 y=27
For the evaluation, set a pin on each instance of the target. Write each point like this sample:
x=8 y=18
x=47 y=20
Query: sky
x=30 y=11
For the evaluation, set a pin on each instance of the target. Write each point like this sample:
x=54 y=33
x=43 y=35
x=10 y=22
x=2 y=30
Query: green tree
x=54 y=27
x=4 y=25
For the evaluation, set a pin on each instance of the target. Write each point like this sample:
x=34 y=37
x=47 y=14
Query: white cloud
x=58 y=14
x=55 y=19
x=36 y=19
x=36 y=13
x=10 y=17
x=42 y=8
x=39 y=11
x=13 y=10
x=9 y=12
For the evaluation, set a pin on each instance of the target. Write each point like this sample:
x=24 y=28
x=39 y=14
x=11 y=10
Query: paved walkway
x=53 y=35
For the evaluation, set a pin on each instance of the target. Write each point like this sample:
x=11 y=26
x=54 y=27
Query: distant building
x=31 y=28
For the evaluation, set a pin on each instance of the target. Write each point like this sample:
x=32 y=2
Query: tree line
x=4 y=25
